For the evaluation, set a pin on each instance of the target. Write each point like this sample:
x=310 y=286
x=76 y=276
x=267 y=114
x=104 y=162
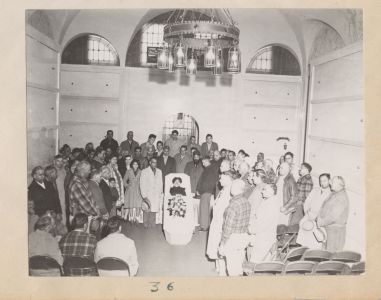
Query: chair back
x=316 y=255
x=112 y=264
x=332 y=268
x=346 y=256
x=358 y=268
x=295 y=254
x=269 y=267
x=43 y=265
x=79 y=266
x=299 y=267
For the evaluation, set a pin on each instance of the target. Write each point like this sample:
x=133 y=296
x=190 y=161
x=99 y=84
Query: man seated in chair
x=116 y=244
x=42 y=242
x=78 y=242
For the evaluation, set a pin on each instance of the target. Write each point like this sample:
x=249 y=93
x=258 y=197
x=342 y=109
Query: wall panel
x=88 y=82
x=41 y=108
x=339 y=77
x=348 y=120
x=41 y=64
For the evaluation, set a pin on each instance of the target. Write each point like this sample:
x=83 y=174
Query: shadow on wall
x=164 y=77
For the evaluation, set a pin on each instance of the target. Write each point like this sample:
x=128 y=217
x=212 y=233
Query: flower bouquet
x=177 y=206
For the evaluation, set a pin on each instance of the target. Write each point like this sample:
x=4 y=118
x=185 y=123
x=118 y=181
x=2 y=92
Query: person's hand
x=282 y=209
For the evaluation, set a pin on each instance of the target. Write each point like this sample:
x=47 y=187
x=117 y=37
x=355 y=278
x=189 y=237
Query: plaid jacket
x=236 y=217
x=78 y=243
x=81 y=198
x=305 y=186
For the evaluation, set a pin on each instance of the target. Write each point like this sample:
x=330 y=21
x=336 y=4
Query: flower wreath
x=177 y=206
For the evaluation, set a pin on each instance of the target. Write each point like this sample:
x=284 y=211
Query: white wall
x=89 y=104
x=335 y=140
x=42 y=97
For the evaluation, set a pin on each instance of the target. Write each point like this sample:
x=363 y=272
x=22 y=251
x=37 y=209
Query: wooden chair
x=346 y=256
x=42 y=265
x=268 y=268
x=79 y=266
x=332 y=268
x=316 y=255
x=295 y=254
x=112 y=266
x=358 y=268
x=299 y=267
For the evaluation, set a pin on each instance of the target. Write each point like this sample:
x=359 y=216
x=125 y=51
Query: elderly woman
x=133 y=198
x=218 y=207
x=113 y=165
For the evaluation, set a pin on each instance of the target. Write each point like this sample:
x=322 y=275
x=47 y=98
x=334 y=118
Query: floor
x=158 y=258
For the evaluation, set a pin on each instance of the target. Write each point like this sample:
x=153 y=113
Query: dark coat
x=125 y=145
x=44 y=199
x=106 y=143
x=168 y=168
x=204 y=148
x=208 y=180
x=107 y=195
x=289 y=189
x=194 y=172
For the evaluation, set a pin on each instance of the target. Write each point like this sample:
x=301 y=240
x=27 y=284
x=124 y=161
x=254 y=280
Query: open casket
x=178 y=212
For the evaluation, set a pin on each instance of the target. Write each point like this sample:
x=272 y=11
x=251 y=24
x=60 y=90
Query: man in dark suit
x=109 y=142
x=106 y=190
x=41 y=192
x=208 y=146
x=130 y=144
x=166 y=163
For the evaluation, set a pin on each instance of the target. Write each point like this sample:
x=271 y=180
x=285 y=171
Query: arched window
x=185 y=124
x=90 y=49
x=274 y=60
x=142 y=51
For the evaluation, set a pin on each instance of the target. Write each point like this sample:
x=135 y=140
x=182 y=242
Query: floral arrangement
x=177 y=207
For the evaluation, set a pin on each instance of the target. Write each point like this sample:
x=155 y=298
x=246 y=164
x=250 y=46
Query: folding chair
x=332 y=268
x=299 y=267
x=295 y=254
x=112 y=266
x=316 y=255
x=79 y=266
x=44 y=266
x=268 y=268
x=358 y=268
x=346 y=256
x=286 y=235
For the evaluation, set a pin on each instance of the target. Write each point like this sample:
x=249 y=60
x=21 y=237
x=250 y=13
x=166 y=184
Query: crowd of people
x=241 y=202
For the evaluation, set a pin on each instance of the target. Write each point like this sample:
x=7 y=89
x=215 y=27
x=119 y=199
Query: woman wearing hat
x=308 y=230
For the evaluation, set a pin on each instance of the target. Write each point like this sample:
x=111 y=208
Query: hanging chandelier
x=209 y=31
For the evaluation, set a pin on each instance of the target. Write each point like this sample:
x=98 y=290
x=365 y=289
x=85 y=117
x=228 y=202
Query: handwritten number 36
x=155 y=287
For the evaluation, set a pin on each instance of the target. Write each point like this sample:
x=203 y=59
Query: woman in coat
x=215 y=230
x=113 y=165
x=133 y=198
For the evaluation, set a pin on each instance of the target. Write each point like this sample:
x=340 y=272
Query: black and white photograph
x=195 y=142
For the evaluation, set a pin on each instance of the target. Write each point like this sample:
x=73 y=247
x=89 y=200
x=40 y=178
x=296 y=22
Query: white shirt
x=119 y=246
x=41 y=184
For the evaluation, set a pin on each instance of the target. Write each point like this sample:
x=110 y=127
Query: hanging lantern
x=234 y=60
x=180 y=55
x=162 y=59
x=210 y=56
x=217 y=70
x=171 y=67
x=191 y=66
